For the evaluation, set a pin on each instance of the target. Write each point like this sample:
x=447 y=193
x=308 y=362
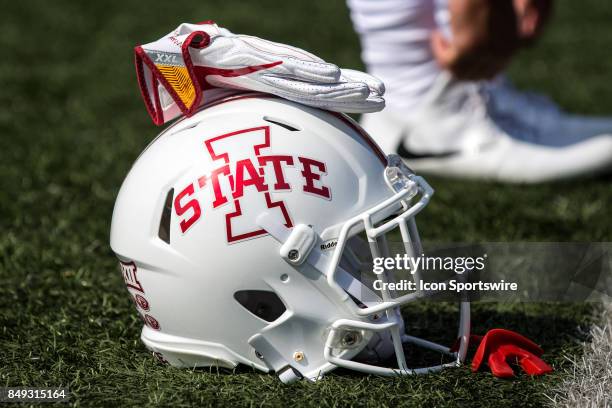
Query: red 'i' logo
x=246 y=178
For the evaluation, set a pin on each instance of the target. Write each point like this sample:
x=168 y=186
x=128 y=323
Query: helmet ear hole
x=264 y=304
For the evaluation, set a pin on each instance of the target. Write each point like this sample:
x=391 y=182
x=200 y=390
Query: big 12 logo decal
x=248 y=173
x=129 y=272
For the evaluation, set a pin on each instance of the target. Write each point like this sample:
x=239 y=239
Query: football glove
x=175 y=71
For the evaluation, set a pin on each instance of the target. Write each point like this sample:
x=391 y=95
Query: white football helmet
x=238 y=233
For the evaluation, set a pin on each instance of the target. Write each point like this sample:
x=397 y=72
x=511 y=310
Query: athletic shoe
x=490 y=130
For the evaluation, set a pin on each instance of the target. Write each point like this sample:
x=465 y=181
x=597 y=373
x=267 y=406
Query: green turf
x=71 y=123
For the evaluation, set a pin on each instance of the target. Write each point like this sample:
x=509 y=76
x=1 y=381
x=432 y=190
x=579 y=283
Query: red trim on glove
x=202 y=72
x=139 y=57
x=197 y=75
x=155 y=111
x=203 y=42
x=200 y=39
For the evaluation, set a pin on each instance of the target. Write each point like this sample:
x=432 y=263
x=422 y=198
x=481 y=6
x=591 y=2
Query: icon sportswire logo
x=246 y=175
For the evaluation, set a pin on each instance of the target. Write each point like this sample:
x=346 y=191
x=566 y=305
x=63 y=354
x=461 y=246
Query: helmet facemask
x=377 y=320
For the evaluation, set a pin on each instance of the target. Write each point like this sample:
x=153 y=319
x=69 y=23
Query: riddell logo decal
x=330 y=244
x=250 y=173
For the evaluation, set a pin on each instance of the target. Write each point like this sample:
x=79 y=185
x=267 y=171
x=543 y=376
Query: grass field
x=72 y=122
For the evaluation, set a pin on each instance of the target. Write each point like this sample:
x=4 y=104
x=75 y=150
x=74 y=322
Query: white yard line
x=588 y=382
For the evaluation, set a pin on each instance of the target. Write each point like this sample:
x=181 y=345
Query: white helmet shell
x=231 y=228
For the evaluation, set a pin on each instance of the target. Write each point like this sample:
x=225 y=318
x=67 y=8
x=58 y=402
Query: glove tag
x=167 y=79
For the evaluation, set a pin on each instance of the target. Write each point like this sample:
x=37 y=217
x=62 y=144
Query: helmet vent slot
x=282 y=123
x=264 y=304
x=164 y=223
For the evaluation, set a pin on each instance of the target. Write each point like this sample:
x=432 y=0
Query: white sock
x=395 y=39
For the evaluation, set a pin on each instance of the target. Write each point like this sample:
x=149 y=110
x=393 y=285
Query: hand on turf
x=174 y=70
